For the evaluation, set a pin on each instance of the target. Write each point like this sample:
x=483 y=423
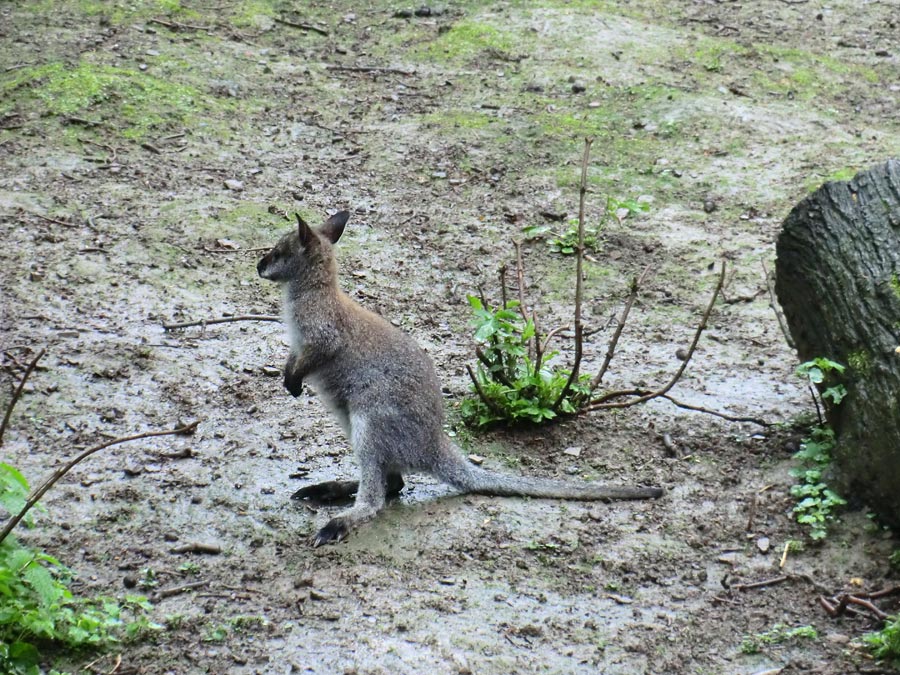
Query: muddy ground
x=142 y=145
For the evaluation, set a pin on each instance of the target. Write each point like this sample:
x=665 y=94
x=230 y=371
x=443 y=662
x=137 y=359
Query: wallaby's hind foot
x=333 y=532
x=334 y=491
x=328 y=492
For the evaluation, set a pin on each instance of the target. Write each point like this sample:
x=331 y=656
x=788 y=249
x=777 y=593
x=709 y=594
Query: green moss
x=253 y=14
x=895 y=285
x=462 y=119
x=468 y=38
x=860 y=362
x=139 y=101
x=119 y=12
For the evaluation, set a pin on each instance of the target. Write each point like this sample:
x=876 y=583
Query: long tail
x=459 y=473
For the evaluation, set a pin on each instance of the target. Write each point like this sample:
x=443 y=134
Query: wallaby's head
x=304 y=254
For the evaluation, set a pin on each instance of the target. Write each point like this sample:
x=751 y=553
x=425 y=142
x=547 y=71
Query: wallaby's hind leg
x=333 y=491
x=370 y=500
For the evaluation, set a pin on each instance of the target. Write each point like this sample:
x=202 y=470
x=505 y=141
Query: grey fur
x=381 y=386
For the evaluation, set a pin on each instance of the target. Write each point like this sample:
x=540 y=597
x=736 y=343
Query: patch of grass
x=753 y=644
x=138 y=103
x=468 y=38
x=252 y=14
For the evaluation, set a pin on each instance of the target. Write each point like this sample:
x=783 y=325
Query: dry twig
x=18 y=392
x=302 y=26
x=225 y=319
x=603 y=402
x=579 y=264
x=39 y=492
x=614 y=341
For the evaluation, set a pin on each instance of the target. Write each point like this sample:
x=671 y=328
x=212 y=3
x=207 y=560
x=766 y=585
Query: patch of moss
x=140 y=102
x=468 y=38
x=253 y=14
x=120 y=12
x=860 y=362
x=895 y=285
x=461 y=119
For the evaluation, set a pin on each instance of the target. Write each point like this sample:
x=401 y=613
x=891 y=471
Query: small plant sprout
x=820 y=371
x=753 y=644
x=885 y=643
x=816 y=502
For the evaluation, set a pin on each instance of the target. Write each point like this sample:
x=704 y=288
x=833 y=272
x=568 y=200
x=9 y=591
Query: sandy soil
x=146 y=146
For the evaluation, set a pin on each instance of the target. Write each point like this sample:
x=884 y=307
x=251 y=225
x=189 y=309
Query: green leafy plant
x=514 y=382
x=894 y=560
x=885 y=643
x=37 y=608
x=816 y=502
x=817 y=371
x=566 y=242
x=753 y=644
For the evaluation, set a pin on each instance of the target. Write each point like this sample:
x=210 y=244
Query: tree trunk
x=838 y=281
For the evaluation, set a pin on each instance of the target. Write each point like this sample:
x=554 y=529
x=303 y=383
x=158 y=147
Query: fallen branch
x=175 y=26
x=177 y=590
x=370 y=69
x=36 y=494
x=18 y=392
x=301 y=26
x=225 y=319
x=602 y=402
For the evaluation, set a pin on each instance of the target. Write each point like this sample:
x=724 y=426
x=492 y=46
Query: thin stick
x=579 y=264
x=535 y=343
x=784 y=555
x=370 y=69
x=773 y=303
x=614 y=341
x=761 y=584
x=237 y=250
x=226 y=319
x=599 y=405
x=36 y=495
x=488 y=402
x=302 y=26
x=174 y=25
x=18 y=392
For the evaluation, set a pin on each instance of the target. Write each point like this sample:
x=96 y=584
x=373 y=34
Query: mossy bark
x=837 y=280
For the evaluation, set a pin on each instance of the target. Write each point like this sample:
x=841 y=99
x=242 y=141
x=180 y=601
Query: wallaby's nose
x=261 y=265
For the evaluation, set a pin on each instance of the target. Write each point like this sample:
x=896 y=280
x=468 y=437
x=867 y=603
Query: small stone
x=763 y=544
x=270 y=371
x=478 y=460
x=234 y=185
x=572 y=452
x=709 y=206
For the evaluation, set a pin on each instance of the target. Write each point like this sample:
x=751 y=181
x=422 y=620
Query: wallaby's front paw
x=334 y=531
x=293 y=384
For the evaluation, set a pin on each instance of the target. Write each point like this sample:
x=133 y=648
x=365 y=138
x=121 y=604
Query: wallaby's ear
x=307 y=236
x=334 y=226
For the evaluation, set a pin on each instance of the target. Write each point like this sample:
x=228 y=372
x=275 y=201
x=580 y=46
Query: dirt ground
x=142 y=145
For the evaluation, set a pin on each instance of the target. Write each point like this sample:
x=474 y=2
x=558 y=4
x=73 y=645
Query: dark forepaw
x=293 y=384
x=332 y=533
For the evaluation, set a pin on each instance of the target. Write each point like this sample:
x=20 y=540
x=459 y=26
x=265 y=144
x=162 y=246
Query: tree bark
x=838 y=281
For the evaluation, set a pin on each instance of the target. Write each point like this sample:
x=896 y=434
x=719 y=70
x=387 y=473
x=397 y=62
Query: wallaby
x=382 y=387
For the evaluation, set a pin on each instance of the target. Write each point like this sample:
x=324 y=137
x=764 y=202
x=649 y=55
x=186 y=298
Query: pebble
x=233 y=184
